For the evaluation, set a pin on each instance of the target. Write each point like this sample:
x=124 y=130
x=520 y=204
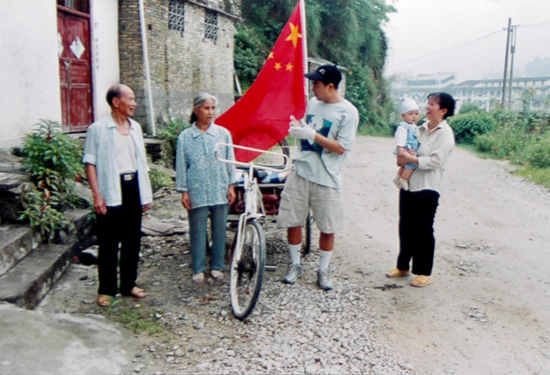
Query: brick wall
x=181 y=64
x=129 y=42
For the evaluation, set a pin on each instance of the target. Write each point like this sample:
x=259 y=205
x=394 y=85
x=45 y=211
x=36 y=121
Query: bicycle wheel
x=247 y=271
x=306 y=235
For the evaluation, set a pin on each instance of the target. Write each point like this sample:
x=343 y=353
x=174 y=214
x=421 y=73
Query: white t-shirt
x=335 y=121
x=125 y=153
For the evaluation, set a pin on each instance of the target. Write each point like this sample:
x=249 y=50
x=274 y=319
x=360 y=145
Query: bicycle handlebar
x=286 y=165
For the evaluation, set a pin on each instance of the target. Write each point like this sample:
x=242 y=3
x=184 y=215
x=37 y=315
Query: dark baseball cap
x=326 y=74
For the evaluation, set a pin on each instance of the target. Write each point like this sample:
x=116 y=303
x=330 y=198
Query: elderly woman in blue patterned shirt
x=206 y=184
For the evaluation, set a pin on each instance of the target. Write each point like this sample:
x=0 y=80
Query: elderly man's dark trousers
x=120 y=226
x=416 y=218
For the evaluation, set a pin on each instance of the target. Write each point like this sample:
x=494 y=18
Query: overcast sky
x=466 y=37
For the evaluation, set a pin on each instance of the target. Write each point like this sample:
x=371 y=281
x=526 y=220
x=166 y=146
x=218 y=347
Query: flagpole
x=304 y=45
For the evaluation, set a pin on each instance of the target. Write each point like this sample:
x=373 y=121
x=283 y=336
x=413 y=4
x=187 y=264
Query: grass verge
x=539 y=176
x=136 y=319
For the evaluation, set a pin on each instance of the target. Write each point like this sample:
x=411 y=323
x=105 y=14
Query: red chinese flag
x=260 y=118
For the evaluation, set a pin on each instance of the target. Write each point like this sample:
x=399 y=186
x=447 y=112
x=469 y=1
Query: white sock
x=325 y=259
x=295 y=253
x=396 y=181
x=404 y=184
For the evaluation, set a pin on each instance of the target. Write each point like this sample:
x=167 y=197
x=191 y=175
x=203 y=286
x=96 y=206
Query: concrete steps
x=16 y=242
x=29 y=271
x=32 y=278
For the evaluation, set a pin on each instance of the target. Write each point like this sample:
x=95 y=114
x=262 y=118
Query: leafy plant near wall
x=160 y=179
x=54 y=162
x=169 y=133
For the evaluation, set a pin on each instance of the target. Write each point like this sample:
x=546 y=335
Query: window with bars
x=176 y=15
x=79 y=5
x=211 y=25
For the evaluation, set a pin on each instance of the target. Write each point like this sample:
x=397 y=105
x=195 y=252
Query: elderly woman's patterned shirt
x=198 y=172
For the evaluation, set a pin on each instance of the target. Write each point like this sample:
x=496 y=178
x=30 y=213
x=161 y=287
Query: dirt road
x=488 y=311
x=489 y=308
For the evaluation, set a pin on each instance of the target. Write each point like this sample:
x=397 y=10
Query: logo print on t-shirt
x=323 y=130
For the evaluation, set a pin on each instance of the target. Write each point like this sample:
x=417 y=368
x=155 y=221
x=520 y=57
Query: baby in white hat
x=406 y=138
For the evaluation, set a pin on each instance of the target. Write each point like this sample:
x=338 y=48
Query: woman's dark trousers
x=416 y=218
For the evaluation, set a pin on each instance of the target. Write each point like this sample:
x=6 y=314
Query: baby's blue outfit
x=412 y=142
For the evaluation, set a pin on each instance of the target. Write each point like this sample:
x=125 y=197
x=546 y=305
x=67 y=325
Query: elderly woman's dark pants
x=121 y=225
x=416 y=218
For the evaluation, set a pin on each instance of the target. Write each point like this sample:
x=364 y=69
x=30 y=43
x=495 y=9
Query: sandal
x=396 y=272
x=198 y=278
x=137 y=292
x=104 y=300
x=216 y=275
x=422 y=281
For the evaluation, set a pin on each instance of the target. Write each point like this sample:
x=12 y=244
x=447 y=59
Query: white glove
x=301 y=130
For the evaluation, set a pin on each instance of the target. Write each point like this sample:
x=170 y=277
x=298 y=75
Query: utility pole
x=512 y=51
x=506 y=63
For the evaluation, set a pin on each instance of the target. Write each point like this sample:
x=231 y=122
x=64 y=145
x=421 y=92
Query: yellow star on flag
x=278 y=66
x=294 y=34
x=271 y=55
x=289 y=66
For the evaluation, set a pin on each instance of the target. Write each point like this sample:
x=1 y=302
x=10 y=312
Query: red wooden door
x=74 y=69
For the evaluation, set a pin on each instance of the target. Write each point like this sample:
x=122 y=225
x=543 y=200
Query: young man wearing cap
x=326 y=136
x=406 y=138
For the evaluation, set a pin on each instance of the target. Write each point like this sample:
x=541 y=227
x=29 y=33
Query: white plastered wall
x=105 y=64
x=29 y=73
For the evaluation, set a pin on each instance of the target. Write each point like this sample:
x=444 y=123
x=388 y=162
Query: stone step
x=16 y=242
x=32 y=278
x=12 y=178
x=80 y=233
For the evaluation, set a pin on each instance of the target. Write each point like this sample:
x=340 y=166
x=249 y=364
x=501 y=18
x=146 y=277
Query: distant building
x=420 y=86
x=487 y=93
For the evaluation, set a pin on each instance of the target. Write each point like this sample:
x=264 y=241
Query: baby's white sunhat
x=407 y=105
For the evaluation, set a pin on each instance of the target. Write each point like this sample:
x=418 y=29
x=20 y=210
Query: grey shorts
x=299 y=195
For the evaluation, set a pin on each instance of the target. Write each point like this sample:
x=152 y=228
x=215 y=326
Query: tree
x=347 y=32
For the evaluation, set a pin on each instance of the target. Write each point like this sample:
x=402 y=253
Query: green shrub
x=487 y=143
x=504 y=118
x=39 y=209
x=169 y=134
x=470 y=125
x=537 y=153
x=524 y=139
x=470 y=107
x=53 y=160
x=160 y=179
x=51 y=157
x=506 y=143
